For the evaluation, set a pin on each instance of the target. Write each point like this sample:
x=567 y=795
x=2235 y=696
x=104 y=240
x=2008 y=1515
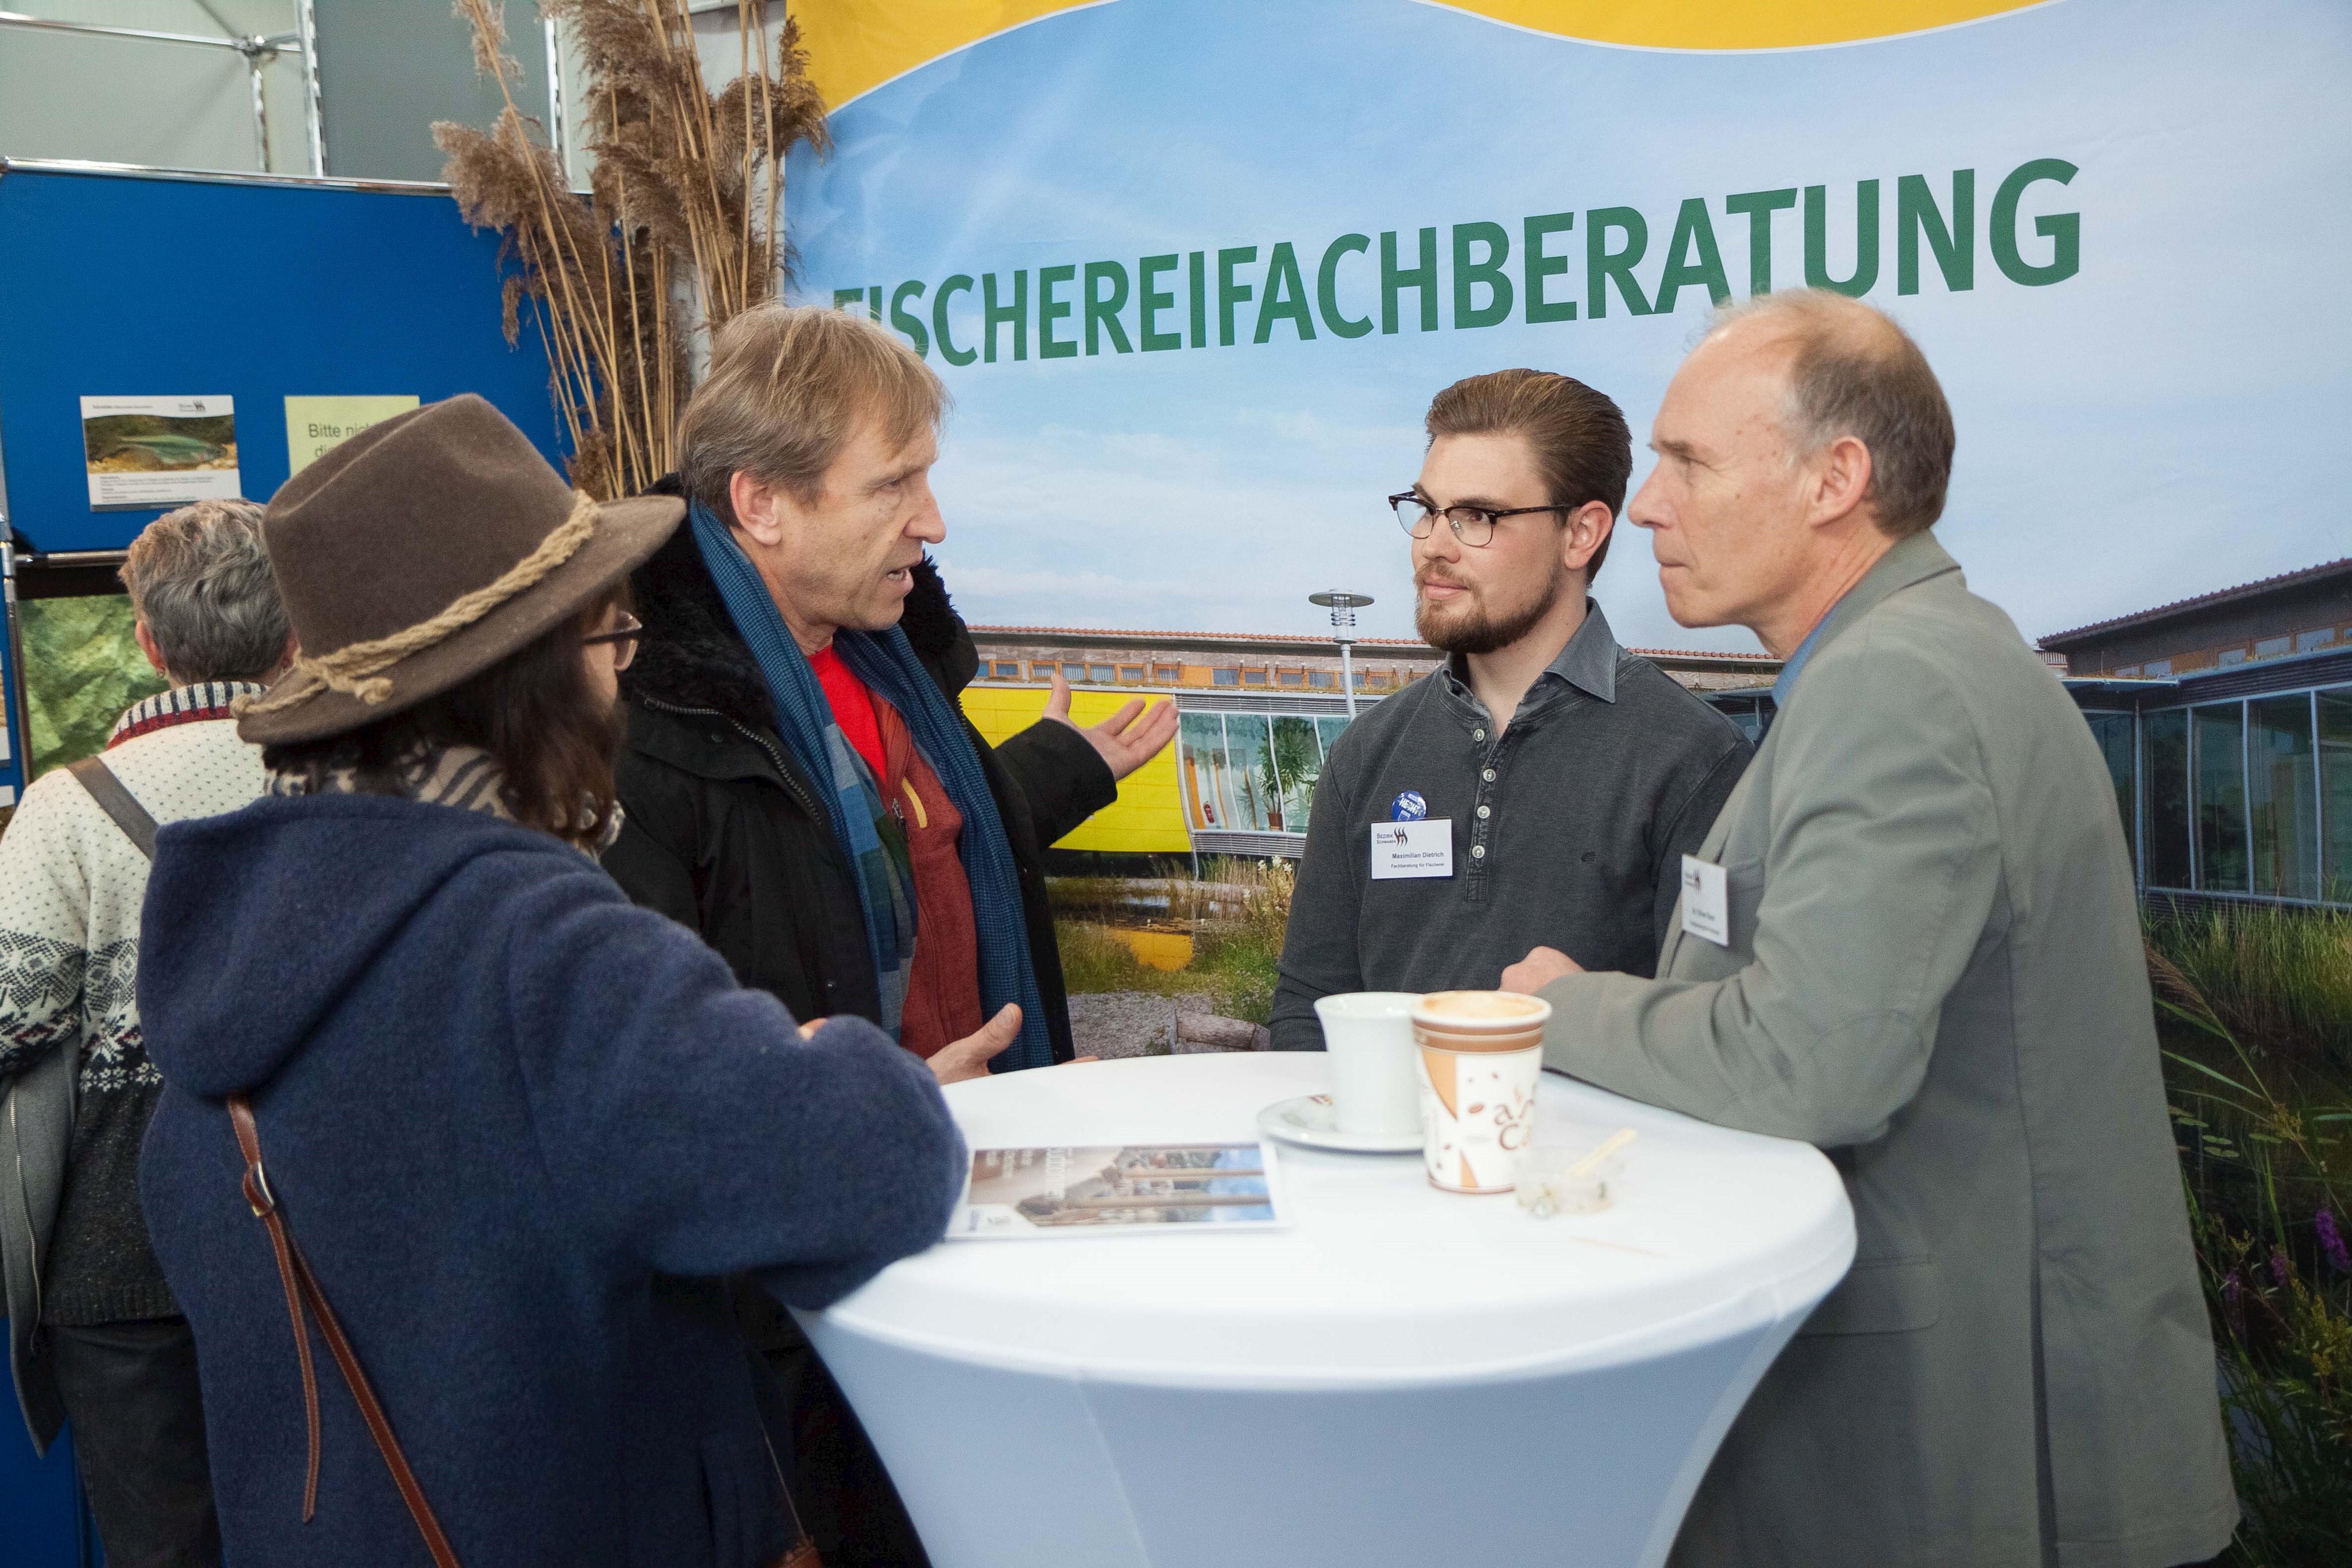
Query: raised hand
x=1128 y=738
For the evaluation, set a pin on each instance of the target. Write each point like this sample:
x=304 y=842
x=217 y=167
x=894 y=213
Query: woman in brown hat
x=440 y=1100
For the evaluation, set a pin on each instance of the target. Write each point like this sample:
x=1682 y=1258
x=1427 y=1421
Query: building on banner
x=1256 y=715
x=2226 y=721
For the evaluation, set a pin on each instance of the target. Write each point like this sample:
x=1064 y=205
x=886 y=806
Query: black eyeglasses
x=1473 y=526
x=624 y=639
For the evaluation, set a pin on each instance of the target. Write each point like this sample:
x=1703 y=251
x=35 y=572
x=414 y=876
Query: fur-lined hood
x=692 y=656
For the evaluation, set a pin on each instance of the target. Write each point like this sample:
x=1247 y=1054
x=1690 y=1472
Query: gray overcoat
x=1935 y=974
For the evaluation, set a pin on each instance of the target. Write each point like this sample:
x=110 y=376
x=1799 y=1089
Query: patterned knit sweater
x=71 y=886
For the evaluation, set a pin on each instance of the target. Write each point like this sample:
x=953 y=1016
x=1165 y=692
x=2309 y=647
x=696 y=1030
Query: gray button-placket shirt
x=1569 y=829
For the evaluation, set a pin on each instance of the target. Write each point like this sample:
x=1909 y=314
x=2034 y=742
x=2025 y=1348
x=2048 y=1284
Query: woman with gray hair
x=94 y=1333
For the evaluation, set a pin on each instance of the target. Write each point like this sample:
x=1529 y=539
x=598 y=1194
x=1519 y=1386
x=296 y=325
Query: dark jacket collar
x=692 y=656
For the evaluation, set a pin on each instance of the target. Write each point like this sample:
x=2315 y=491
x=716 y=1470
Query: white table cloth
x=1403 y=1377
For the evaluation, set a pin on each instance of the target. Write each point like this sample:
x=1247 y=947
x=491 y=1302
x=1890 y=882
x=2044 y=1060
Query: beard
x=1469 y=626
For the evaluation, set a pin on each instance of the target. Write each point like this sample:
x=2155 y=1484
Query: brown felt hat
x=422 y=551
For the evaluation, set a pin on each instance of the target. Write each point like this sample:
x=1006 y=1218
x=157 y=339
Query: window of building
x=1290 y=678
x=2113 y=731
x=2312 y=642
x=1006 y=669
x=2217 y=750
x=2157 y=668
x=1297 y=764
x=2234 y=656
x=1131 y=673
x=1072 y=672
x=2164 y=778
x=1257 y=805
x=2282 y=796
x=1226 y=677
x=1102 y=674
x=2335 y=725
x=1205 y=769
x=1321 y=679
x=1253 y=677
x=2272 y=648
x=1168 y=674
x=1251 y=772
x=2128 y=671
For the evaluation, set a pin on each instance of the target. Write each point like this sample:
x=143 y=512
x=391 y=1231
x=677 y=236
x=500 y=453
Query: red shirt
x=943 y=978
x=853 y=708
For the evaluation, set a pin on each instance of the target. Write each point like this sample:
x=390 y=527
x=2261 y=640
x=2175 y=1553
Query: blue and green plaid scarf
x=887 y=663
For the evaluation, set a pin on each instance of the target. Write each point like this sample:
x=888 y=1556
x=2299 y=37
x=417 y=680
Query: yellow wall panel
x=1148 y=817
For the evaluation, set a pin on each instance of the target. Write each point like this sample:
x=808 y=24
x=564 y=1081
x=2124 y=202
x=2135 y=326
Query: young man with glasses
x=1546 y=780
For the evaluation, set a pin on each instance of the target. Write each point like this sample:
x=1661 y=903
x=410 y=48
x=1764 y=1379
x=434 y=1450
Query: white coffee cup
x=1369 y=1037
x=1481 y=1058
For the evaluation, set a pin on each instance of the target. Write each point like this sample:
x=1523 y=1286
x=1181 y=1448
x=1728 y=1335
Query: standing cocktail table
x=1404 y=1377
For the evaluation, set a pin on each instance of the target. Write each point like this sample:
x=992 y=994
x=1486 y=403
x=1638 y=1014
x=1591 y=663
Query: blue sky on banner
x=2159 y=423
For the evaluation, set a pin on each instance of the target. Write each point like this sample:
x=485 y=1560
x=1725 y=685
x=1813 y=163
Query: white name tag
x=1413 y=848
x=1706 y=906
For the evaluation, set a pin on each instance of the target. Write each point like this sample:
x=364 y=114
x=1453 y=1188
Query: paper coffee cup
x=1368 y=1035
x=1478 y=1055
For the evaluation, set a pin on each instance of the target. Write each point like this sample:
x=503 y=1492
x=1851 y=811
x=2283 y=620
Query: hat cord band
x=354 y=667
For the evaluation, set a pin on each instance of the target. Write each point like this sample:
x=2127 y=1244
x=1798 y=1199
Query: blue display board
x=135 y=283
x=142 y=285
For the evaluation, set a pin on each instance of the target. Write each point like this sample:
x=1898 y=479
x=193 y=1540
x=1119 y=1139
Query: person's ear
x=1840 y=480
x=147 y=646
x=1587 y=530
x=759 y=508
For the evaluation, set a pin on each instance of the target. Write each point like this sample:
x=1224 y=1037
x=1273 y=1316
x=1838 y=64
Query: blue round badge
x=1408 y=807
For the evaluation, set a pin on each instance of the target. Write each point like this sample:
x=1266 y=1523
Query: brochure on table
x=1114 y=1188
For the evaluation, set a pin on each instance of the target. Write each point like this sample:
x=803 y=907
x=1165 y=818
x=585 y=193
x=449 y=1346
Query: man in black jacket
x=723 y=832
x=805 y=455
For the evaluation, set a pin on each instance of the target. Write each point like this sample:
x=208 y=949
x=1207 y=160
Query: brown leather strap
x=257 y=1196
x=117 y=803
x=302 y=1290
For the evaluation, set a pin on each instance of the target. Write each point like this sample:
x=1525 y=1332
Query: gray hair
x=199 y=579
x=1853 y=371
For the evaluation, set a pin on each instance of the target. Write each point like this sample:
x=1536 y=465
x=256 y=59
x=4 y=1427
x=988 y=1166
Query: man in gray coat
x=1911 y=939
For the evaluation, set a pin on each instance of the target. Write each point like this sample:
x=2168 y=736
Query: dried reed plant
x=681 y=227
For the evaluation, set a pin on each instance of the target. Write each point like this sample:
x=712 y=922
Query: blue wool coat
x=518 y=1125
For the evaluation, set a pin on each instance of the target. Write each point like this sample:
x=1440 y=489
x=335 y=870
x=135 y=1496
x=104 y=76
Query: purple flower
x=2232 y=1287
x=2331 y=1242
x=2281 y=1270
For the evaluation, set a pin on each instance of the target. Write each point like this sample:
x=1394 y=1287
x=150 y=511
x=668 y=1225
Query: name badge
x=1707 y=904
x=1424 y=848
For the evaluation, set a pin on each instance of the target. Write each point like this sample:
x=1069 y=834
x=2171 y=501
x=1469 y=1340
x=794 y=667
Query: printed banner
x=144 y=452
x=1192 y=269
x=313 y=424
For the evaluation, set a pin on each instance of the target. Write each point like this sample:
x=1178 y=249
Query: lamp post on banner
x=1343 y=607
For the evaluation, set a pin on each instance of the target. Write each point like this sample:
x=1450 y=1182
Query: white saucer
x=1306 y=1121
